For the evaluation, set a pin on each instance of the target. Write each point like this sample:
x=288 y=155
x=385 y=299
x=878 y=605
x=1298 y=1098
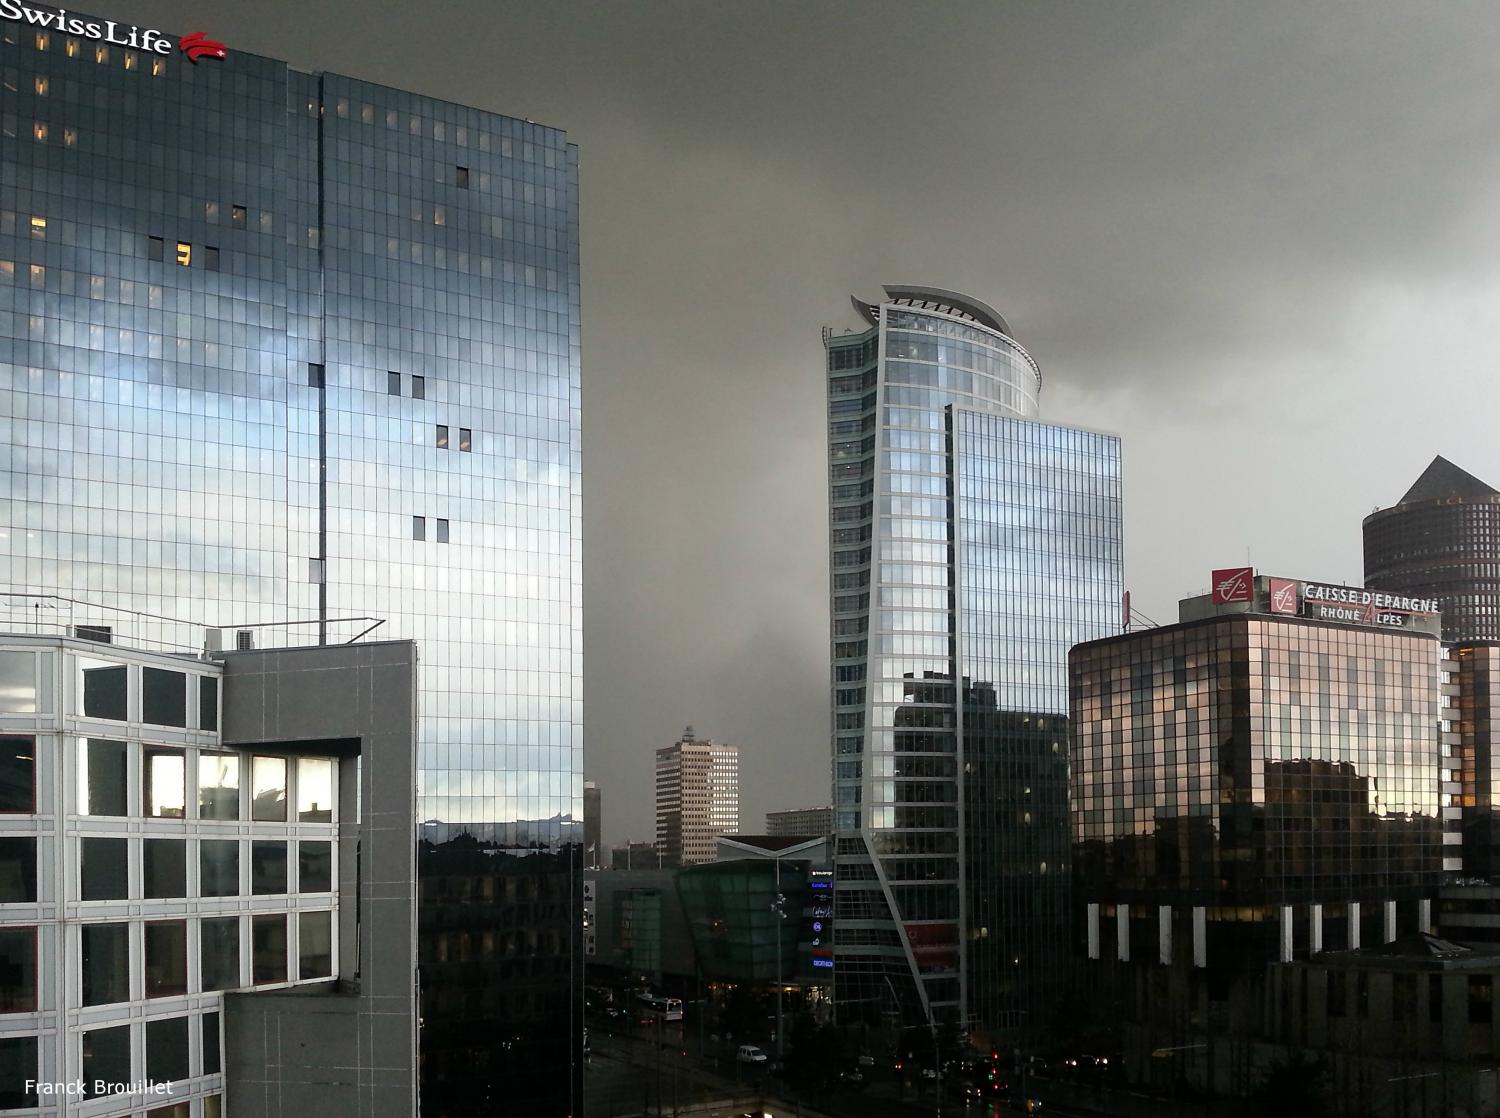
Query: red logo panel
x=1283 y=595
x=1233 y=584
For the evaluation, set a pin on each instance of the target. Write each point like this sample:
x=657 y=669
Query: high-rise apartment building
x=806 y=821
x=697 y=798
x=1442 y=540
x=971 y=547
x=296 y=355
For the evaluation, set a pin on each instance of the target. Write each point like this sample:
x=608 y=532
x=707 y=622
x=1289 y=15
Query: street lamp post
x=778 y=906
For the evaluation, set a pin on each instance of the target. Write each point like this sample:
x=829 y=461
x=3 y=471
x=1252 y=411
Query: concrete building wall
x=349 y=1048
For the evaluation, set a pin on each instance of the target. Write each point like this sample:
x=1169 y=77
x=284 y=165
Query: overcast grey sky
x=1259 y=241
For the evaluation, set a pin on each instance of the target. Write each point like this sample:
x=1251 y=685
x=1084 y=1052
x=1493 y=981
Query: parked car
x=750 y=1054
x=866 y=1061
x=853 y=1075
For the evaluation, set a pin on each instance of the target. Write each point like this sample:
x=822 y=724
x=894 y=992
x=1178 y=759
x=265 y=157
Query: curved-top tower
x=1442 y=540
x=970 y=547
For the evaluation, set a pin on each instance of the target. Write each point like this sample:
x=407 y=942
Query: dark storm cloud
x=1257 y=240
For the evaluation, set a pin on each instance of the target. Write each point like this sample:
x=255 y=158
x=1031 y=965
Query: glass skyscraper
x=971 y=547
x=281 y=352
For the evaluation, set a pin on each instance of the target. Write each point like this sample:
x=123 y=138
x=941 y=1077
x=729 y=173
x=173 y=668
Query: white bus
x=658 y=1008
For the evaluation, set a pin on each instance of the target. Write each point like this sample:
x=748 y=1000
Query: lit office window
x=218 y=786
x=268 y=789
x=163 y=782
x=315 y=790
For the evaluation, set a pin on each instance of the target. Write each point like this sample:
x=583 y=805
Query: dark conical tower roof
x=1444 y=479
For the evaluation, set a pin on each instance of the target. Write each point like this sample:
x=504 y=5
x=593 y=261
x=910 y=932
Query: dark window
x=268 y=948
x=465 y=439
x=17 y=970
x=156 y=248
x=419 y=388
x=442 y=531
x=461 y=177
x=442 y=436
x=1435 y=998
x=18 y=1063
x=106 y=1060
x=219 y=868
x=268 y=867
x=104 y=779
x=211 y=258
x=315 y=867
x=166 y=958
x=104 y=869
x=104 y=634
x=163 y=782
x=219 y=948
x=18 y=870
x=167 y=1049
x=208 y=703
x=419 y=527
x=315 y=376
x=1481 y=1000
x=1338 y=994
x=17 y=774
x=164 y=867
x=104 y=690
x=105 y=963
x=315 y=945
x=212 y=1045
x=237 y=216
x=393 y=384
x=163 y=697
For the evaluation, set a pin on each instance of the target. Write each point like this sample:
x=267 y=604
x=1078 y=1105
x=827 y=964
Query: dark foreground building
x=280 y=351
x=1442 y=540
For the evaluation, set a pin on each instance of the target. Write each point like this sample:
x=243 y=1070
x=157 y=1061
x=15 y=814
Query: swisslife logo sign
x=1233 y=584
x=148 y=39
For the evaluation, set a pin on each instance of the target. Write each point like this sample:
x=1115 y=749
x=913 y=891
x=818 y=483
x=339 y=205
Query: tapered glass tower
x=971 y=546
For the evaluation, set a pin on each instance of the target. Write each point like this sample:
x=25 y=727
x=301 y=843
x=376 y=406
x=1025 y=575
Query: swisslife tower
x=296 y=356
x=971 y=545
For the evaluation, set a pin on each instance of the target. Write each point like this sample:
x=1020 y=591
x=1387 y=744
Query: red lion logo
x=195 y=46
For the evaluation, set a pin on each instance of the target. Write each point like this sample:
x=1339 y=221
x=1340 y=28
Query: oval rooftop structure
x=939 y=300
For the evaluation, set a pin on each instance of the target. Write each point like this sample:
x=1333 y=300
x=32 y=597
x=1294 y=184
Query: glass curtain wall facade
x=1442 y=540
x=1241 y=764
x=1476 y=670
x=1037 y=528
x=932 y=422
x=282 y=347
